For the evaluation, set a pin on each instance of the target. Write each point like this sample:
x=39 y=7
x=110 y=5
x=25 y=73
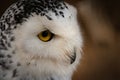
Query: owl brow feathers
x=40 y=7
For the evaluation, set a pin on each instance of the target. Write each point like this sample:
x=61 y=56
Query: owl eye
x=45 y=36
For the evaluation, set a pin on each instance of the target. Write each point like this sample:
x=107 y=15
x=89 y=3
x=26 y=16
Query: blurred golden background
x=100 y=24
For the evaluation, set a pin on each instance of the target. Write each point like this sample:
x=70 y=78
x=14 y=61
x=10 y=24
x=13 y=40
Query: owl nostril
x=73 y=57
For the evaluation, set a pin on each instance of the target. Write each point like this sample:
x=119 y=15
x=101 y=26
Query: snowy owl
x=39 y=40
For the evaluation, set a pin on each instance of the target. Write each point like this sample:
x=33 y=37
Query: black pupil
x=45 y=33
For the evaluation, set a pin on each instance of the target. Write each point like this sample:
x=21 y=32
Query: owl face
x=46 y=44
x=63 y=39
x=52 y=41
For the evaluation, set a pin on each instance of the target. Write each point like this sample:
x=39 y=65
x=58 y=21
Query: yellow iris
x=45 y=36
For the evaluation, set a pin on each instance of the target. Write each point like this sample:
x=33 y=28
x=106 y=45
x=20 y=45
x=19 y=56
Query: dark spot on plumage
x=61 y=13
x=48 y=17
x=10 y=16
x=1 y=42
x=15 y=27
x=2 y=45
x=6 y=42
x=10 y=61
x=55 y=11
x=13 y=52
x=15 y=12
x=65 y=5
x=28 y=63
x=56 y=14
x=2 y=62
x=2 y=18
x=3 y=36
x=61 y=7
x=2 y=27
x=9 y=56
x=1 y=24
x=51 y=78
x=18 y=64
x=7 y=32
x=4 y=75
x=19 y=3
x=9 y=44
x=18 y=18
x=12 y=38
x=2 y=55
x=4 y=65
x=42 y=14
x=9 y=28
x=7 y=19
x=14 y=73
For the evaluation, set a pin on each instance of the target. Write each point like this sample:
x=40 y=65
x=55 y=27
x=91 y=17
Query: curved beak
x=73 y=57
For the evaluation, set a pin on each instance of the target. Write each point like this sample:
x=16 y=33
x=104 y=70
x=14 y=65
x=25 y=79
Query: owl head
x=44 y=38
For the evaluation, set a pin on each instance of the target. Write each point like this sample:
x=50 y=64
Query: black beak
x=73 y=57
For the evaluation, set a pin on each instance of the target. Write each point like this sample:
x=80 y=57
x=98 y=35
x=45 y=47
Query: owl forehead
x=39 y=7
x=43 y=7
x=54 y=12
